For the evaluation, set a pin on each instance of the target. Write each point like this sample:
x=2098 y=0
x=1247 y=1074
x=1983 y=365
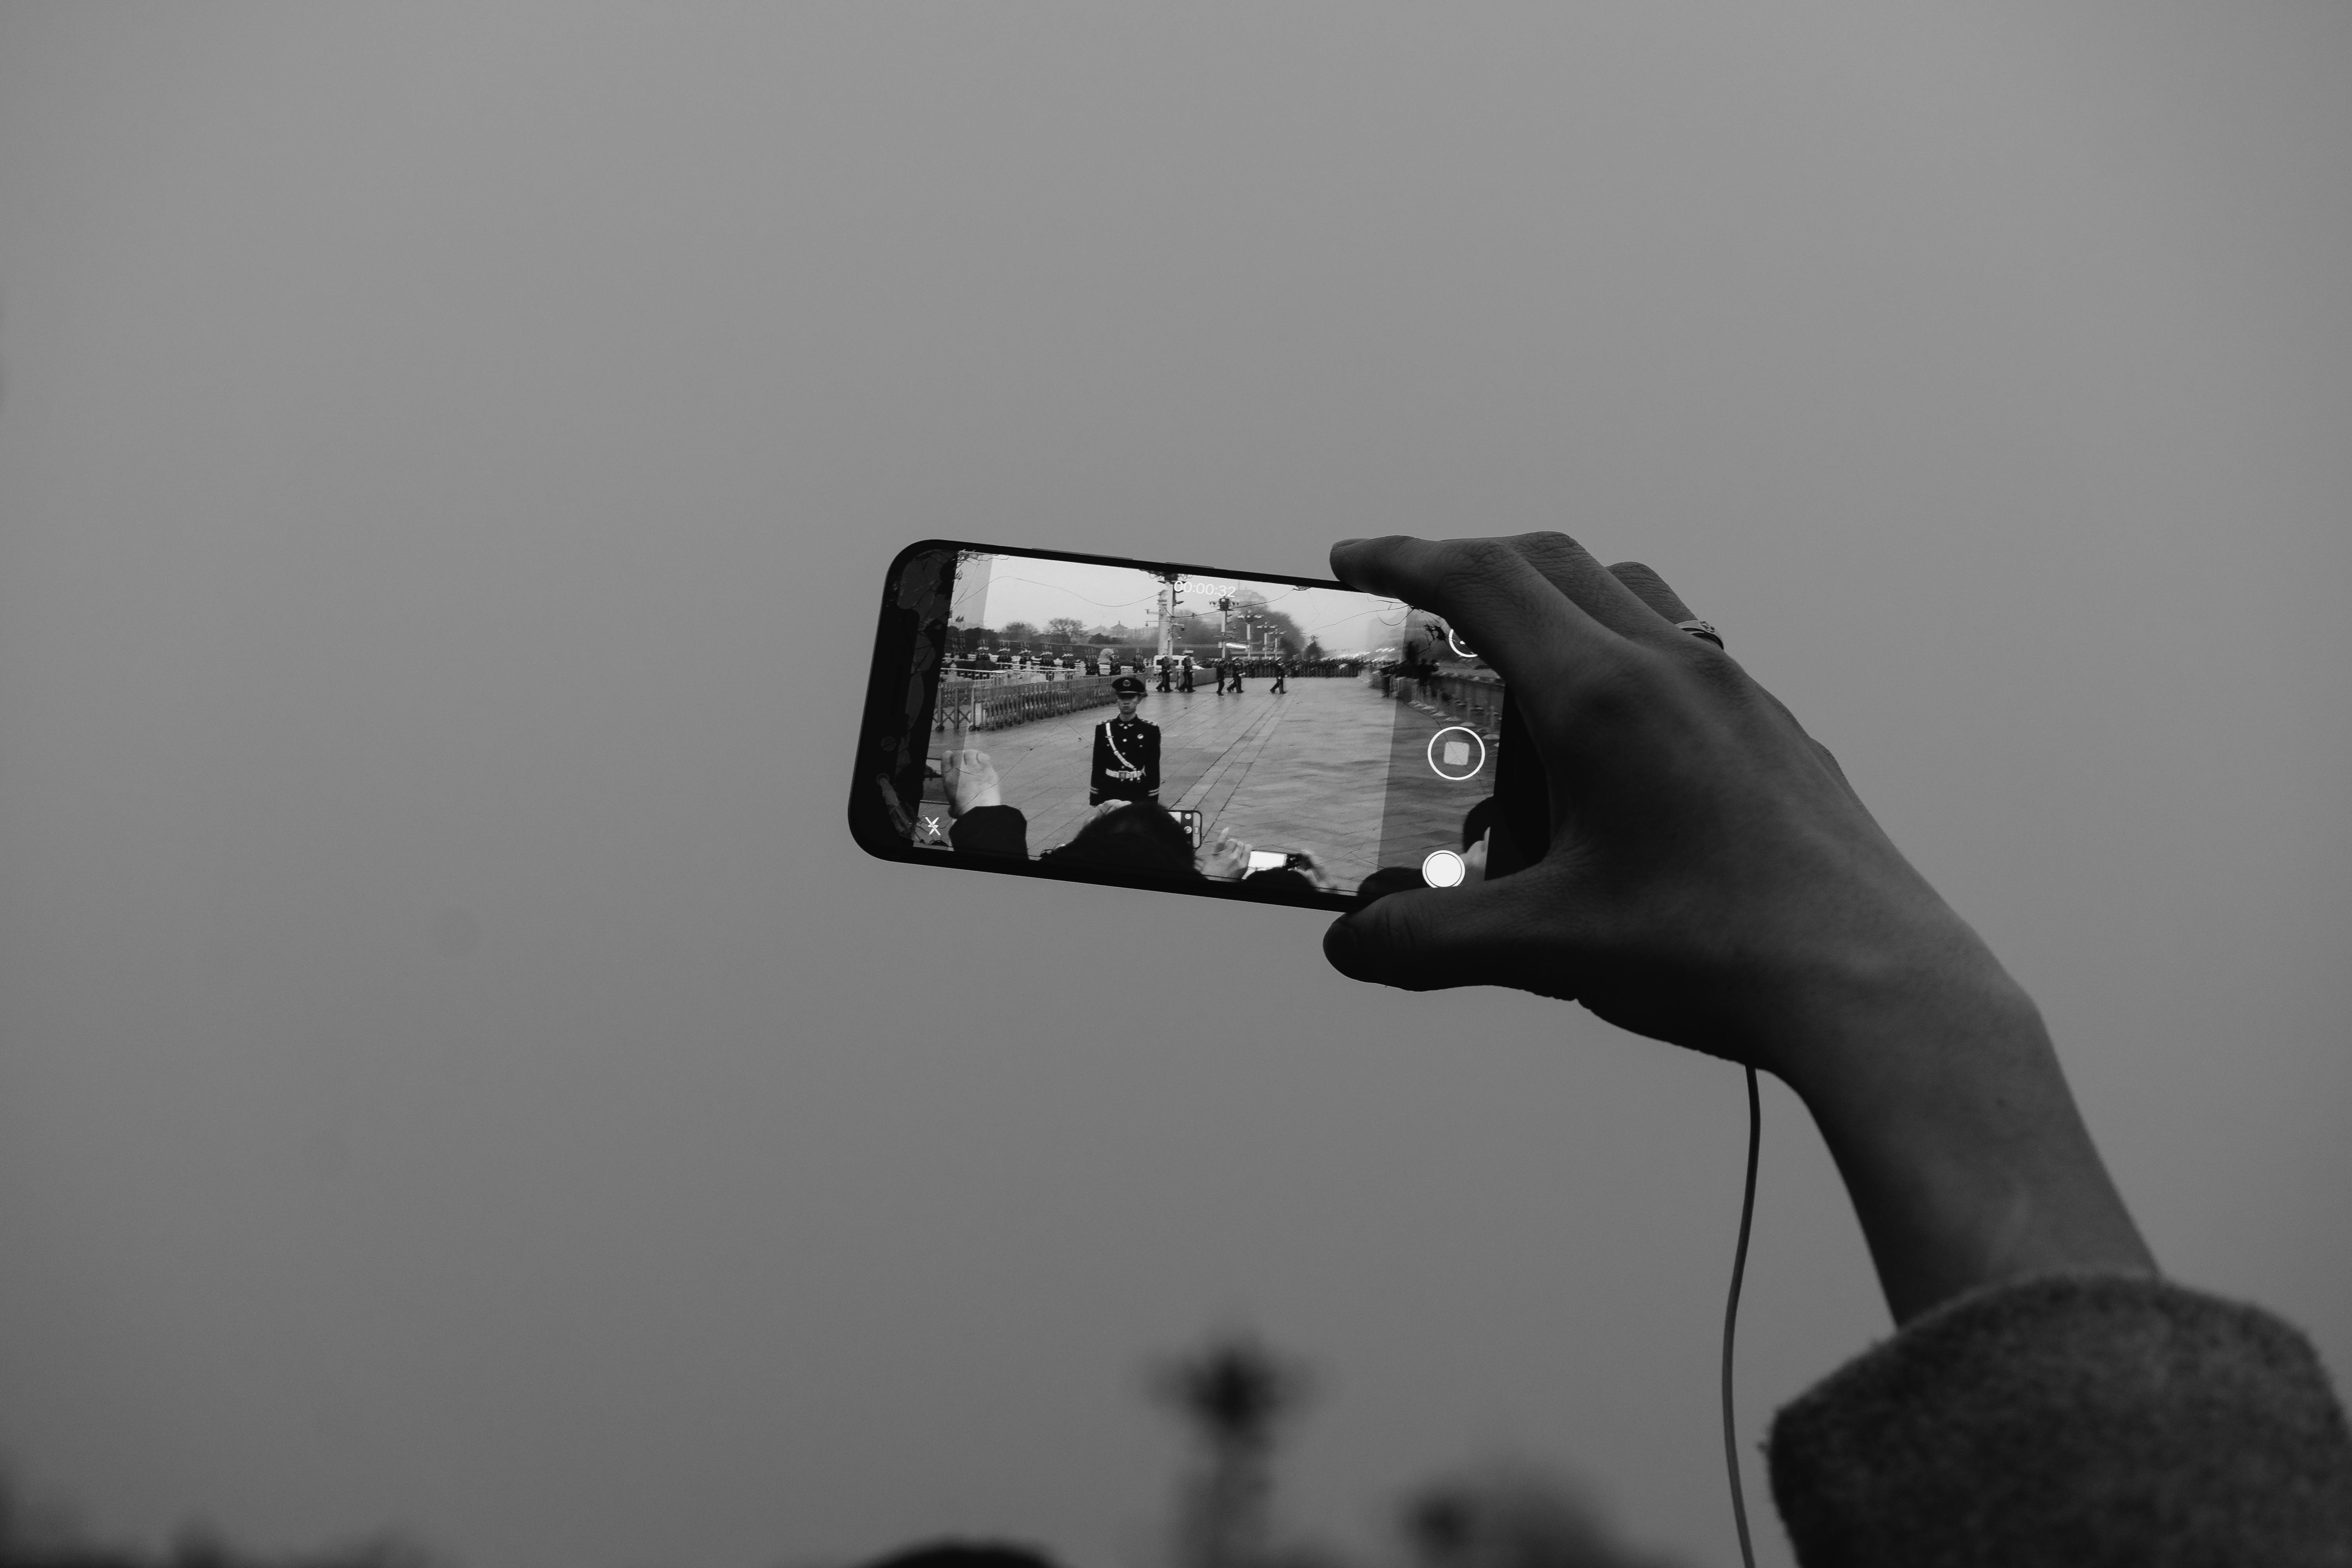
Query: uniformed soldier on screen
x=1126 y=751
x=1167 y=671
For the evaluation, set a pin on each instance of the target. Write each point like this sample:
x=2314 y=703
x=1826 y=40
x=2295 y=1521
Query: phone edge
x=890 y=847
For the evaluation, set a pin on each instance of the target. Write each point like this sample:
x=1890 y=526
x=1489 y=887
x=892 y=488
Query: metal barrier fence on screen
x=1000 y=704
x=1474 y=700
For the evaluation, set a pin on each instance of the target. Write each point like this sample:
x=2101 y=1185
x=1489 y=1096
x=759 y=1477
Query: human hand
x=1225 y=858
x=1713 y=880
x=1473 y=859
x=1710 y=871
x=970 y=780
x=1307 y=866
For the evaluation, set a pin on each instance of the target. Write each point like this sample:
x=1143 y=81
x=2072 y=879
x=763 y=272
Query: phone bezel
x=893 y=669
x=892 y=666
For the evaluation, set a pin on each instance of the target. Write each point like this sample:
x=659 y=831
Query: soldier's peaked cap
x=1128 y=685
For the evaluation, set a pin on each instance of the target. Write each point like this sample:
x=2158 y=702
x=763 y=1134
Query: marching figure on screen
x=1127 y=752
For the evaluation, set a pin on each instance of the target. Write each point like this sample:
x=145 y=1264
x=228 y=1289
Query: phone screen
x=1155 y=725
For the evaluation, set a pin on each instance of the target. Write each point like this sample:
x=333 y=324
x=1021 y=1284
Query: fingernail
x=1342 y=949
x=1343 y=544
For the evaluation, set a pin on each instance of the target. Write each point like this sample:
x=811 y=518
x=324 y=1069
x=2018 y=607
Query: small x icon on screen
x=930 y=825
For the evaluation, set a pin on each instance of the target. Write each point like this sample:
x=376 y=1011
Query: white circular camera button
x=1457 y=753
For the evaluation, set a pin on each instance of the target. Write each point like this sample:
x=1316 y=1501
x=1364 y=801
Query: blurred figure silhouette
x=1278 y=886
x=40 y=1536
x=1513 y=1518
x=1134 y=837
x=952 y=1553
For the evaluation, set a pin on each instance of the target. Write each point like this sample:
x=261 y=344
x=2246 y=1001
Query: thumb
x=1435 y=938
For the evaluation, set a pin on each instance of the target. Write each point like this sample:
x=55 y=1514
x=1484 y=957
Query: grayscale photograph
x=1049 y=785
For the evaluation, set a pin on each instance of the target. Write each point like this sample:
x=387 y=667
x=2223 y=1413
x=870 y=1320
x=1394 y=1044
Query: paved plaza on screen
x=1307 y=768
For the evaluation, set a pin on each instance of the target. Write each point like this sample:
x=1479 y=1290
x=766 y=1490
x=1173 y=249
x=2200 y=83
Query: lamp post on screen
x=1171 y=596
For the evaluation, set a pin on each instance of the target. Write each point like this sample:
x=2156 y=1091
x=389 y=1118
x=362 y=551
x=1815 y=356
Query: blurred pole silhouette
x=1235 y=1394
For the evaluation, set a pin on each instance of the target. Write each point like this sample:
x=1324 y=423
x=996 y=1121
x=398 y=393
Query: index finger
x=1617 y=600
x=1520 y=623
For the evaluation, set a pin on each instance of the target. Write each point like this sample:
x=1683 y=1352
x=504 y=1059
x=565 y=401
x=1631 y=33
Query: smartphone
x=1185 y=729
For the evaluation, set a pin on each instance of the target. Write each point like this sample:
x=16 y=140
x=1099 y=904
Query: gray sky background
x=454 y=1067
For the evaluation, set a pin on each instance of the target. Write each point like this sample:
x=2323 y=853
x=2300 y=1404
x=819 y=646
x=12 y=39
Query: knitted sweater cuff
x=2074 y=1419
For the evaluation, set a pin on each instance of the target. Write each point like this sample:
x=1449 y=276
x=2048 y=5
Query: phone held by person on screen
x=1141 y=723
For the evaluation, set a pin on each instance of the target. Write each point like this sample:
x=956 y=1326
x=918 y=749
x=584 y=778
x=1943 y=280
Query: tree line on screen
x=1236 y=1400
x=1197 y=632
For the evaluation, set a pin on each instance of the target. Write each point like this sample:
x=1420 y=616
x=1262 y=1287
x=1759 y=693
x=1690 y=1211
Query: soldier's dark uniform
x=1126 y=755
